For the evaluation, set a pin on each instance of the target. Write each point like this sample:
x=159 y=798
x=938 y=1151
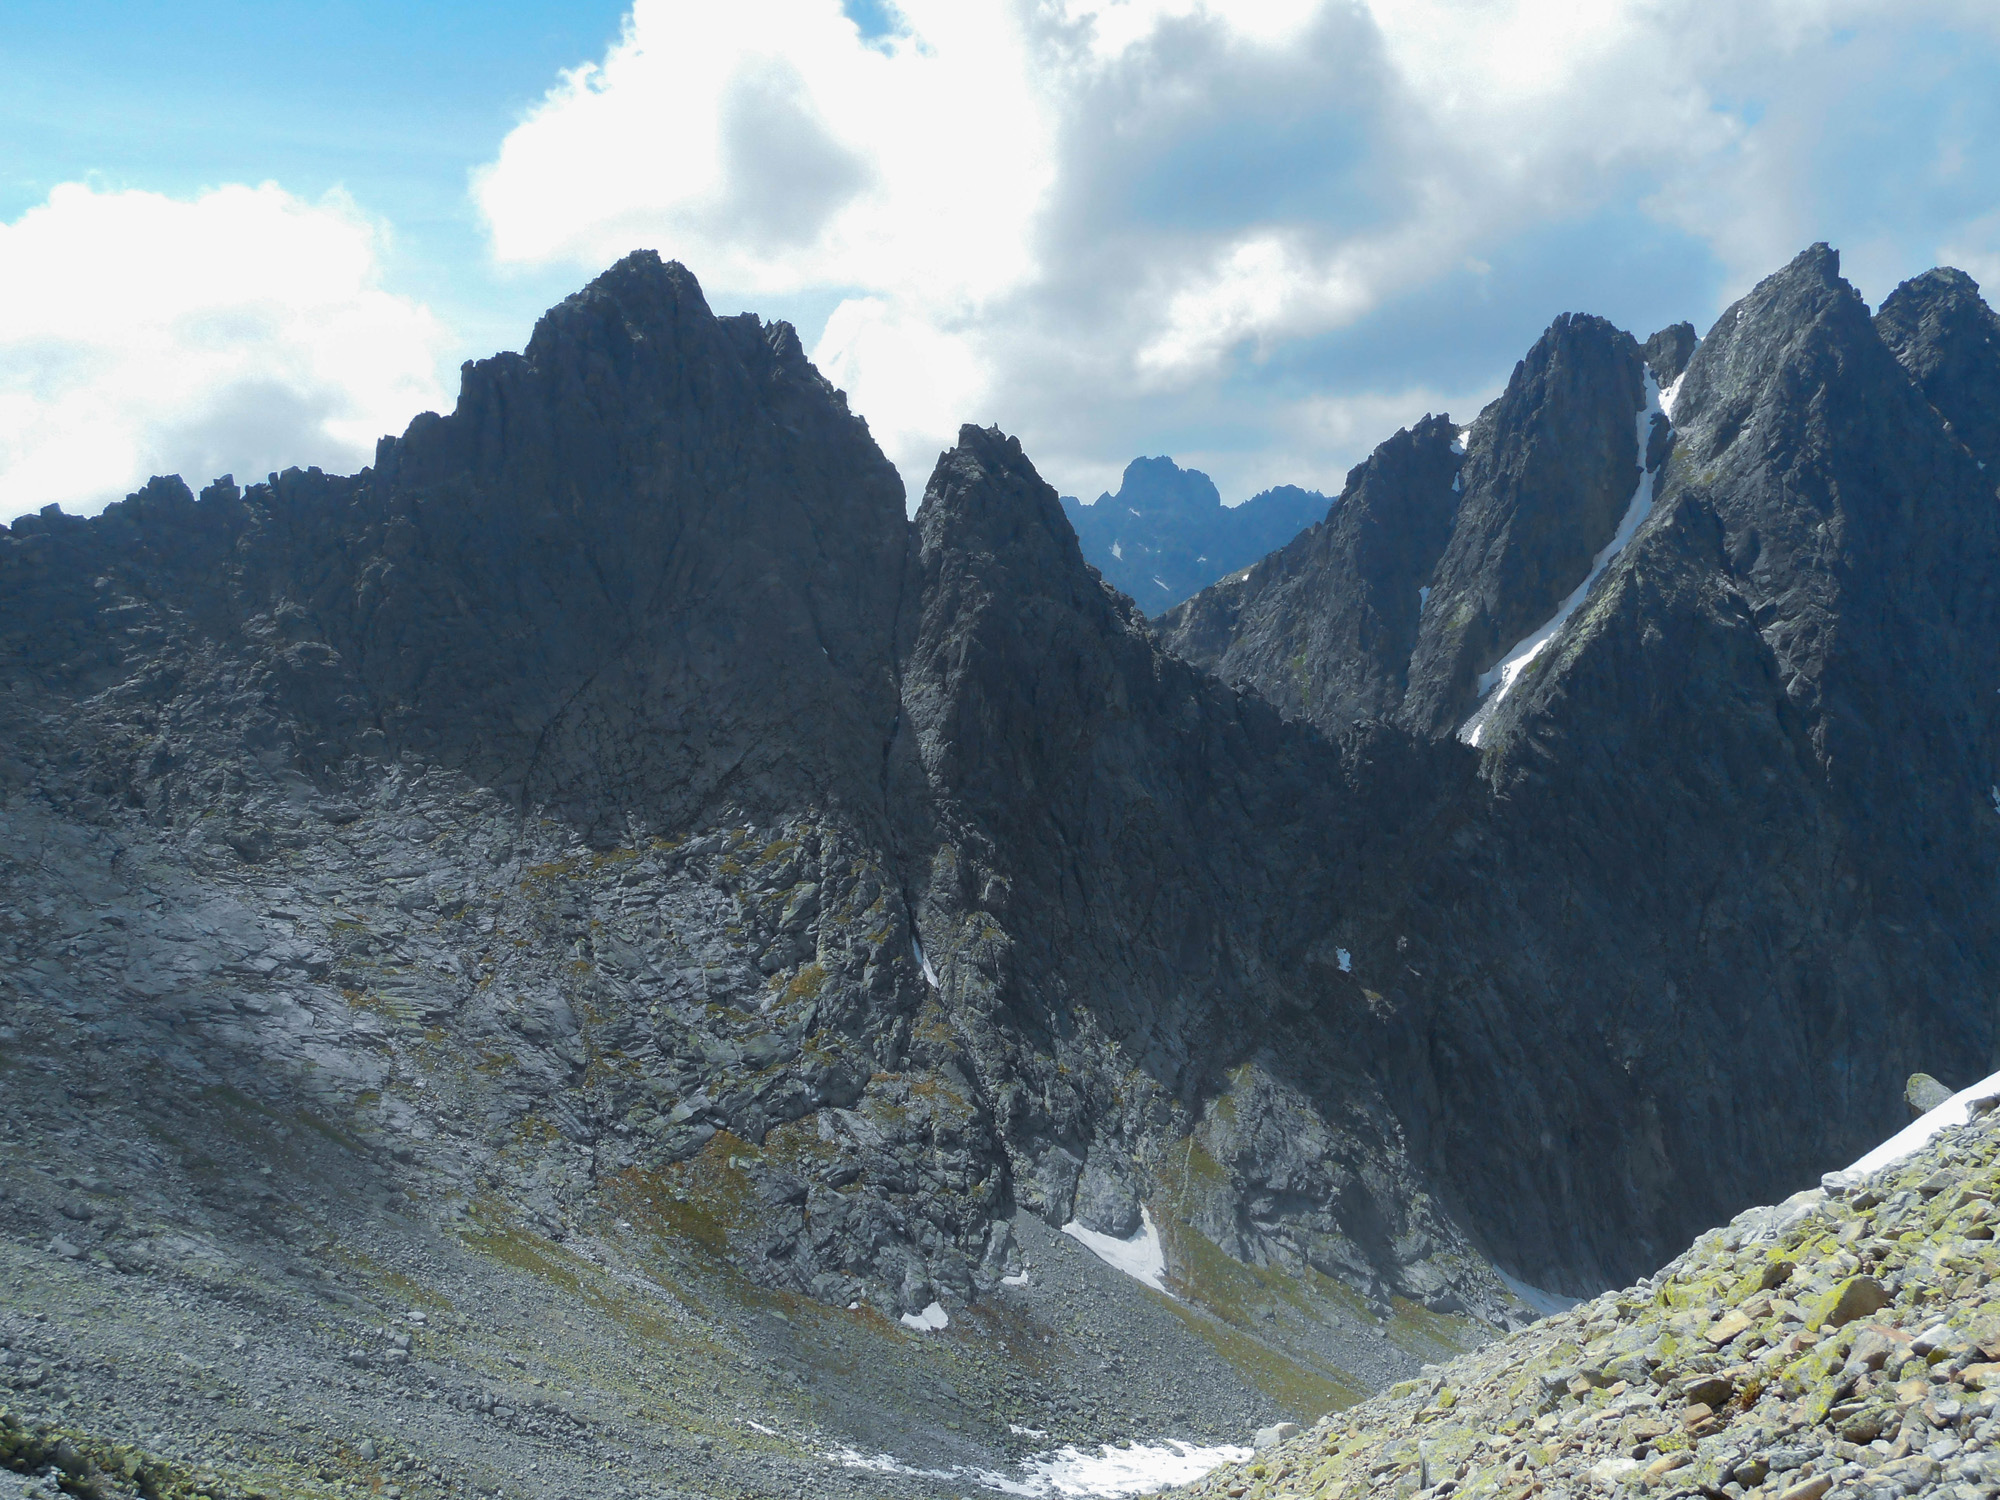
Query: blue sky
x=394 y=102
x=1256 y=234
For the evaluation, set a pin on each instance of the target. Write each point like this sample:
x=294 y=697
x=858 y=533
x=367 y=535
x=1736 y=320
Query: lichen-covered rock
x=1892 y=1399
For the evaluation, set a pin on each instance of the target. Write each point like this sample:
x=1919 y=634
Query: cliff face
x=1732 y=829
x=1458 y=546
x=1125 y=873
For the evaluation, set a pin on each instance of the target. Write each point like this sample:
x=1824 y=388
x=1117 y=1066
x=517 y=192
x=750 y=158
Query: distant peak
x=1161 y=484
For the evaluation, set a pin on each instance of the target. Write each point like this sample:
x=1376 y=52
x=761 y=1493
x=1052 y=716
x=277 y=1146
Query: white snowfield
x=1141 y=1257
x=933 y=1319
x=930 y=974
x=1917 y=1134
x=1108 y=1474
x=1672 y=394
x=1494 y=685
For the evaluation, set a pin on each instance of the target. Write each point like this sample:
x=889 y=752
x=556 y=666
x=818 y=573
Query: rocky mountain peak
x=1806 y=315
x=1549 y=472
x=1162 y=482
x=1941 y=330
x=1668 y=352
x=985 y=497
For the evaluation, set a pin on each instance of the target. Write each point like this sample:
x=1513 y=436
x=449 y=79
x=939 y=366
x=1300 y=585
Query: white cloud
x=769 y=147
x=241 y=331
x=917 y=378
x=1109 y=223
x=1977 y=254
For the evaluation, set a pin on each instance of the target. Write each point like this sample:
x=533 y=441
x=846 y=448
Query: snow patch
x=1458 y=484
x=1917 y=1134
x=1459 y=438
x=923 y=963
x=1118 y=552
x=1346 y=960
x=1140 y=1257
x=1670 y=395
x=760 y=1427
x=1019 y=1431
x=1423 y=597
x=1020 y=1280
x=1138 y=1470
x=933 y=1319
x=1548 y=1304
x=1109 y=1474
x=1494 y=685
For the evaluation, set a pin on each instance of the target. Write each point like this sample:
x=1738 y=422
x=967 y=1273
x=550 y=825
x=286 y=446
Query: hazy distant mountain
x=1166 y=534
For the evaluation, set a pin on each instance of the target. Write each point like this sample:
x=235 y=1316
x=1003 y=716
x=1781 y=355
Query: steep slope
x=1727 y=870
x=533 y=880
x=1945 y=335
x=1842 y=1342
x=1166 y=533
x=1128 y=872
x=1407 y=611
x=1325 y=627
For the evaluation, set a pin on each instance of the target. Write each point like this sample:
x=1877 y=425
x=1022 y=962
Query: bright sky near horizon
x=1255 y=234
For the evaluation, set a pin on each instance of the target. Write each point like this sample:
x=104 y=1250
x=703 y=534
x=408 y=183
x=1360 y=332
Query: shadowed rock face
x=653 y=810
x=1669 y=350
x=1945 y=335
x=1325 y=627
x=1728 y=867
x=651 y=556
x=1126 y=873
x=1447 y=562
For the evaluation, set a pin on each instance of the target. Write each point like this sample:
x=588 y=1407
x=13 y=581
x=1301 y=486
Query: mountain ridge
x=612 y=821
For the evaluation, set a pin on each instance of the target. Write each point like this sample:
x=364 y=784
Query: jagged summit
x=1810 y=579
x=1944 y=334
x=1668 y=353
x=1488 y=546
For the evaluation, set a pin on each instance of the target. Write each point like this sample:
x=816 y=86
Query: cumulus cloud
x=1126 y=225
x=241 y=331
